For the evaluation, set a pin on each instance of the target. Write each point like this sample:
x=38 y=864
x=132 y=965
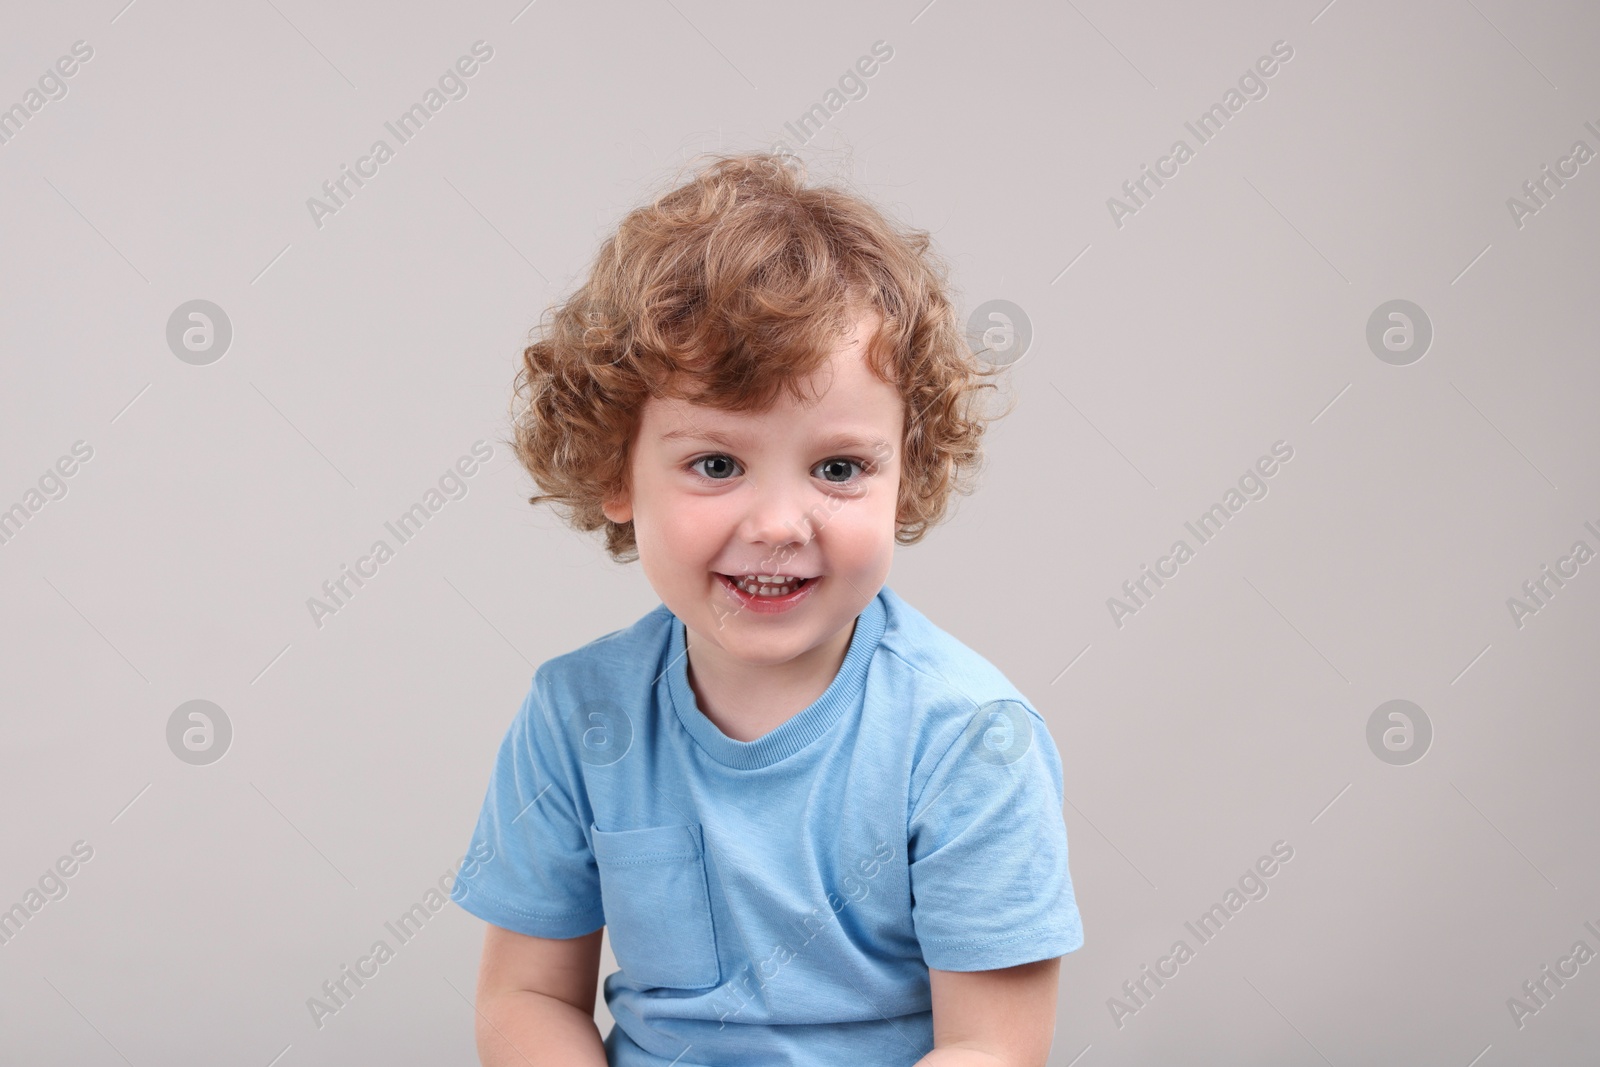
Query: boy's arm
x=999 y=1018
x=536 y=1001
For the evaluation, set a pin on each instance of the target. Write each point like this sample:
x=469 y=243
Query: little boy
x=820 y=829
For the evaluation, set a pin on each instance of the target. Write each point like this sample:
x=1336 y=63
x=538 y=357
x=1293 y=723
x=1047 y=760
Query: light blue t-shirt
x=779 y=901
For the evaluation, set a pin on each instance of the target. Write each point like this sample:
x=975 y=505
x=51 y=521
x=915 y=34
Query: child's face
x=780 y=495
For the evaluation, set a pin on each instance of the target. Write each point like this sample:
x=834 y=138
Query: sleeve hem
x=563 y=925
x=948 y=955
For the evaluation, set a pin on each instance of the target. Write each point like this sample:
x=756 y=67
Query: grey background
x=1228 y=314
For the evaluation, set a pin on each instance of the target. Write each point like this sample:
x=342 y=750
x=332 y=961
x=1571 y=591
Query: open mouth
x=765 y=586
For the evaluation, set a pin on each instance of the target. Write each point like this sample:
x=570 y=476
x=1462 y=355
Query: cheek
x=861 y=532
x=681 y=526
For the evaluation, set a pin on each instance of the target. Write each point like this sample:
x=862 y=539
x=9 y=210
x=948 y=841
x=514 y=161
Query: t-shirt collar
x=800 y=730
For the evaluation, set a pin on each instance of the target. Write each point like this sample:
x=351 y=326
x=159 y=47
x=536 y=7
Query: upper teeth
x=766 y=584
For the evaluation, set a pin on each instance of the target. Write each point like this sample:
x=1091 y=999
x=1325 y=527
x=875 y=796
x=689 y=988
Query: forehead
x=846 y=403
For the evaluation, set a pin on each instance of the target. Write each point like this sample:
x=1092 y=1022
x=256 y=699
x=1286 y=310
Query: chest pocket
x=657 y=905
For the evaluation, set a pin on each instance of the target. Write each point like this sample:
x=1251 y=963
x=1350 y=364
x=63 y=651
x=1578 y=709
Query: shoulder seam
x=557 y=757
x=977 y=705
x=936 y=765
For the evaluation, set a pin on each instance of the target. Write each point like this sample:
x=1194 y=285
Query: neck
x=747 y=701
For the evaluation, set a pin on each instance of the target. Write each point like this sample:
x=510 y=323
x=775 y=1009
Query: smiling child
x=819 y=828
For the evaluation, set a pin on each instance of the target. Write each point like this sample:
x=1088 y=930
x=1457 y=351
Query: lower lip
x=767 y=605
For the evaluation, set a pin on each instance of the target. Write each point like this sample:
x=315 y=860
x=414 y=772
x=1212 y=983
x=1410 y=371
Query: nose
x=779 y=513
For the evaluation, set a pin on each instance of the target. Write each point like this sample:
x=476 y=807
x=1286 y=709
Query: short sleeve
x=530 y=868
x=988 y=848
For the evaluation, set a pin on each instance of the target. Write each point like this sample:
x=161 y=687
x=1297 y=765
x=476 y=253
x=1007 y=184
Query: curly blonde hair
x=723 y=291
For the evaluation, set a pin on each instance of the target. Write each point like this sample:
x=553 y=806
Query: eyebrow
x=843 y=439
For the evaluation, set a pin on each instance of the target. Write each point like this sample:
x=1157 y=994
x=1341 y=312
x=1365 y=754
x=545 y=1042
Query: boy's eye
x=720 y=459
x=836 y=462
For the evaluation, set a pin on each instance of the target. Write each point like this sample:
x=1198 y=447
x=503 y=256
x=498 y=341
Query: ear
x=618 y=509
